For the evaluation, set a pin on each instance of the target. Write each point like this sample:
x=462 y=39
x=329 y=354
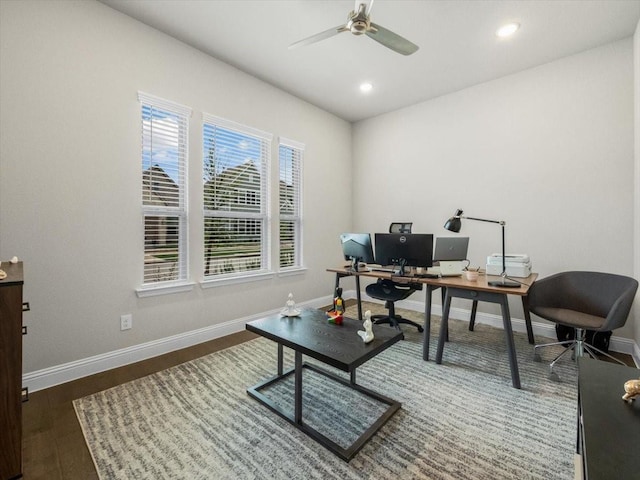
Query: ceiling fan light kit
x=359 y=23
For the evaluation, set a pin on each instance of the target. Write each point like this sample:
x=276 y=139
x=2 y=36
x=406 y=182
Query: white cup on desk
x=419 y=270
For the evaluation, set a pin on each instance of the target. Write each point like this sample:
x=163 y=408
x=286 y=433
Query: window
x=164 y=164
x=236 y=204
x=290 y=201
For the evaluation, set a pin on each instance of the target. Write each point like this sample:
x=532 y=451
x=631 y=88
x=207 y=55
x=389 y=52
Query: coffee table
x=336 y=345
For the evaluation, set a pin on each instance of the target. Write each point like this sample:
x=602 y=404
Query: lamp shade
x=454 y=224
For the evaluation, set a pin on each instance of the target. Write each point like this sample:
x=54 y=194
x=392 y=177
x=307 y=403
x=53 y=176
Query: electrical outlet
x=126 y=321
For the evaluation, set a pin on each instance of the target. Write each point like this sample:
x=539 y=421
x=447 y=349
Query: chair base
x=393 y=319
x=578 y=347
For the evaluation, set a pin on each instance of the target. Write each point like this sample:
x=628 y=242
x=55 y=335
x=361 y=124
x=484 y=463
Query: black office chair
x=400 y=227
x=584 y=301
x=391 y=292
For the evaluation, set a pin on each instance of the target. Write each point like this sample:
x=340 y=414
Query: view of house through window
x=290 y=162
x=236 y=210
x=164 y=152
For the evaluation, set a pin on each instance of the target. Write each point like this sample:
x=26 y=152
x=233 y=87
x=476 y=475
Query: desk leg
x=359 y=297
x=298 y=389
x=443 y=291
x=472 y=320
x=426 y=336
x=527 y=319
x=508 y=332
x=444 y=327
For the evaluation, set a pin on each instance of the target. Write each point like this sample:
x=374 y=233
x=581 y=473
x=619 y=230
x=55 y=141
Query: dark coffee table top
x=336 y=345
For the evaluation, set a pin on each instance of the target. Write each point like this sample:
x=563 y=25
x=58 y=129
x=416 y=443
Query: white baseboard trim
x=56 y=375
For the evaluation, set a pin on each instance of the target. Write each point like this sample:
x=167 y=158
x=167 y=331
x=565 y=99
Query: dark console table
x=608 y=427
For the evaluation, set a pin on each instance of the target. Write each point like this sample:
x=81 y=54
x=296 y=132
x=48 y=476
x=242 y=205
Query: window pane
x=290 y=186
x=233 y=170
x=235 y=163
x=161 y=253
x=287 y=244
x=232 y=245
x=164 y=162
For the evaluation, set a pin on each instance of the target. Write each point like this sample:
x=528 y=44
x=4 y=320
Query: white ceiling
x=458 y=46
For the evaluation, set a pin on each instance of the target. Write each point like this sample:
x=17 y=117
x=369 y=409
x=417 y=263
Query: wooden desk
x=608 y=427
x=478 y=291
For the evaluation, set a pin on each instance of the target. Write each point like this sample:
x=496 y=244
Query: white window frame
x=296 y=217
x=180 y=135
x=263 y=216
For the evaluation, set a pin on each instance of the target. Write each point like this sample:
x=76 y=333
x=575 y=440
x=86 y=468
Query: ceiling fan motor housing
x=358 y=27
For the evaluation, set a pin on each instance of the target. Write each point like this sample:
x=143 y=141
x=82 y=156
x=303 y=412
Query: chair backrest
x=605 y=295
x=400 y=227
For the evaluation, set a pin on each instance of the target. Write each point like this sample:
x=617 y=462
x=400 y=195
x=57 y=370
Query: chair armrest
x=619 y=312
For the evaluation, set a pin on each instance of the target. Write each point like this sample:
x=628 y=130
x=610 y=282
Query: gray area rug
x=459 y=420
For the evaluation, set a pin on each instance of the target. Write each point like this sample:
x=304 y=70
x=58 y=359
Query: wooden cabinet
x=11 y=371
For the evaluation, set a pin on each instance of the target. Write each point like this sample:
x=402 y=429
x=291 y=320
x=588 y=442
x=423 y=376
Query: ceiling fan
x=358 y=23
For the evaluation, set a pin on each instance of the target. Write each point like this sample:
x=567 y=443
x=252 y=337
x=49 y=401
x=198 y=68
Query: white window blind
x=236 y=198
x=164 y=193
x=290 y=203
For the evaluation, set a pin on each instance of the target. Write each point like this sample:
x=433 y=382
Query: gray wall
x=636 y=61
x=548 y=150
x=70 y=189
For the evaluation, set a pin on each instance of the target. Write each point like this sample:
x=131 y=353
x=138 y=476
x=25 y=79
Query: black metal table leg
x=508 y=333
x=527 y=319
x=298 y=389
x=472 y=320
x=444 y=327
x=426 y=335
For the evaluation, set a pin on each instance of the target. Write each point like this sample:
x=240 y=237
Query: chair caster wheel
x=420 y=329
x=553 y=376
x=537 y=358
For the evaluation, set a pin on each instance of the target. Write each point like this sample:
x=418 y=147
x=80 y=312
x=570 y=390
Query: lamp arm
x=499 y=222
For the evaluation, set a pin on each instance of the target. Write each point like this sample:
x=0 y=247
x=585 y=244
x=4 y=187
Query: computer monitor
x=451 y=248
x=404 y=249
x=357 y=247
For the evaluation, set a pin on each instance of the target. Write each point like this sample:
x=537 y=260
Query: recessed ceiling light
x=507 y=30
x=366 y=87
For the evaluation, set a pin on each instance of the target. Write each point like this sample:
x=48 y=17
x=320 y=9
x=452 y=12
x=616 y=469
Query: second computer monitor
x=357 y=247
x=451 y=248
x=410 y=249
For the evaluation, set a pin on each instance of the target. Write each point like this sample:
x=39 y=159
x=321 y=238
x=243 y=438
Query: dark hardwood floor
x=53 y=447
x=53 y=444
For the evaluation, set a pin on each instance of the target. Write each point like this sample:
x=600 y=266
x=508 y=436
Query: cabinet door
x=10 y=381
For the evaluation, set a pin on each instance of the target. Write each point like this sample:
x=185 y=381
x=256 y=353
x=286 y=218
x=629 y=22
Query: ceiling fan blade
x=391 y=40
x=319 y=36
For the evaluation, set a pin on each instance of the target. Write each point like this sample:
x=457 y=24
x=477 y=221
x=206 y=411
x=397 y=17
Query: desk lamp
x=454 y=225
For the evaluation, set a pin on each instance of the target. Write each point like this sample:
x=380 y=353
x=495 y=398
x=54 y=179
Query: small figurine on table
x=290 y=309
x=367 y=333
x=632 y=390
x=336 y=313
